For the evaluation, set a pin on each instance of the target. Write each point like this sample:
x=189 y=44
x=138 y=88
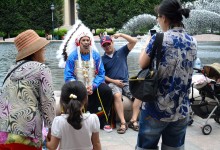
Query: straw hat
x=212 y=70
x=27 y=43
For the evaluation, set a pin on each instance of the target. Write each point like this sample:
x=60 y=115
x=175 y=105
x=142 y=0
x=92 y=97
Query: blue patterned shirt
x=175 y=75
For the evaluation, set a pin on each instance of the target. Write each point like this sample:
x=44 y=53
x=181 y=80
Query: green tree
x=112 y=13
x=19 y=15
x=11 y=18
x=41 y=18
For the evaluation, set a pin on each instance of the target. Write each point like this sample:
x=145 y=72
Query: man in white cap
x=27 y=96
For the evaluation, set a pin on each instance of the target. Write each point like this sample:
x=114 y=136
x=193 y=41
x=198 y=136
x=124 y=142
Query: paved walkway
x=195 y=139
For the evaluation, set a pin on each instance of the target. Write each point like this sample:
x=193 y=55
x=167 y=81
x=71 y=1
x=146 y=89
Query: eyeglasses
x=106 y=44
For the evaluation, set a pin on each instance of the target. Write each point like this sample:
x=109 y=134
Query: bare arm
x=131 y=40
x=52 y=143
x=48 y=135
x=96 y=141
x=144 y=59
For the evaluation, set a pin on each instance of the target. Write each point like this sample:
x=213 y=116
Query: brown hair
x=73 y=97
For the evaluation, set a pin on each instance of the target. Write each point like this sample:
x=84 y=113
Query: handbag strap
x=157 y=46
x=13 y=70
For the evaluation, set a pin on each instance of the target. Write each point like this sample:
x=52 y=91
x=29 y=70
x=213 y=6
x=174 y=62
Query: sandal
x=132 y=126
x=122 y=130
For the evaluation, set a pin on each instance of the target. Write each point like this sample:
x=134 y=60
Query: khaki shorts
x=124 y=91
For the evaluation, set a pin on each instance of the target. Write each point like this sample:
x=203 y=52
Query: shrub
x=110 y=31
x=60 y=33
x=41 y=33
x=2 y=34
x=98 y=31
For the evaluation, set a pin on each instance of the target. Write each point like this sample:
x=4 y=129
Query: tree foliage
x=19 y=15
x=112 y=13
x=10 y=17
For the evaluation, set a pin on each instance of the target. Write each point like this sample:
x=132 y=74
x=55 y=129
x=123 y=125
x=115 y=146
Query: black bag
x=144 y=85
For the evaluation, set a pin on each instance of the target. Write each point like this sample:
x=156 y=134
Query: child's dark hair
x=73 y=97
x=173 y=10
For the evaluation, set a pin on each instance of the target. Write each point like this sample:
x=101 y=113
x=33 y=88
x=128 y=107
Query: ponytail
x=185 y=12
x=73 y=97
x=172 y=10
x=75 y=114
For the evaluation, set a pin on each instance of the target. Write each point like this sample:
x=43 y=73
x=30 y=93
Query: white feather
x=70 y=41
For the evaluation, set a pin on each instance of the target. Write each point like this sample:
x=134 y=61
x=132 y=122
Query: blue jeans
x=150 y=131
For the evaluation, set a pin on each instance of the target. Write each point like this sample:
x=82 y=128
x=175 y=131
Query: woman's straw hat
x=212 y=70
x=27 y=43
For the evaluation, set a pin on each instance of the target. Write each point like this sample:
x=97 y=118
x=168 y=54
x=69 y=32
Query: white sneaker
x=107 y=128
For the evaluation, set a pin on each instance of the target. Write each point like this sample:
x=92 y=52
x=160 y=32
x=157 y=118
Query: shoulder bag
x=144 y=85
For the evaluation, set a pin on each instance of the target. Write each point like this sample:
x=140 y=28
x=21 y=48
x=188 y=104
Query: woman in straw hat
x=27 y=99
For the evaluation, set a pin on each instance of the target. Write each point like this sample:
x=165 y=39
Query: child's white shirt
x=72 y=139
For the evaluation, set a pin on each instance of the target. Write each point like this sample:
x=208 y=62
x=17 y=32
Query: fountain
x=208 y=52
x=8 y=54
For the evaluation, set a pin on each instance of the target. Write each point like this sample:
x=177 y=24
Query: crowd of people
x=94 y=87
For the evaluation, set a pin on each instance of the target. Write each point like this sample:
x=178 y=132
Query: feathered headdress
x=71 y=42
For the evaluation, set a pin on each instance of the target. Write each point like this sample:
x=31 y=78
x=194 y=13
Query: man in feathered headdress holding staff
x=82 y=62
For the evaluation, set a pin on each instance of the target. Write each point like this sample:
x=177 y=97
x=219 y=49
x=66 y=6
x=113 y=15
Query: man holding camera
x=116 y=68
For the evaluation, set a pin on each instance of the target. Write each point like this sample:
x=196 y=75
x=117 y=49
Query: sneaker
x=107 y=128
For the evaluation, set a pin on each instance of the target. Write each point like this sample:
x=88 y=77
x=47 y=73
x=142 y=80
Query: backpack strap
x=13 y=70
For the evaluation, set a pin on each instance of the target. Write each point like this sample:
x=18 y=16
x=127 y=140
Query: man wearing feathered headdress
x=83 y=63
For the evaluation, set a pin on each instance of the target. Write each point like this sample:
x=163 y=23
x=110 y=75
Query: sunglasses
x=106 y=44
